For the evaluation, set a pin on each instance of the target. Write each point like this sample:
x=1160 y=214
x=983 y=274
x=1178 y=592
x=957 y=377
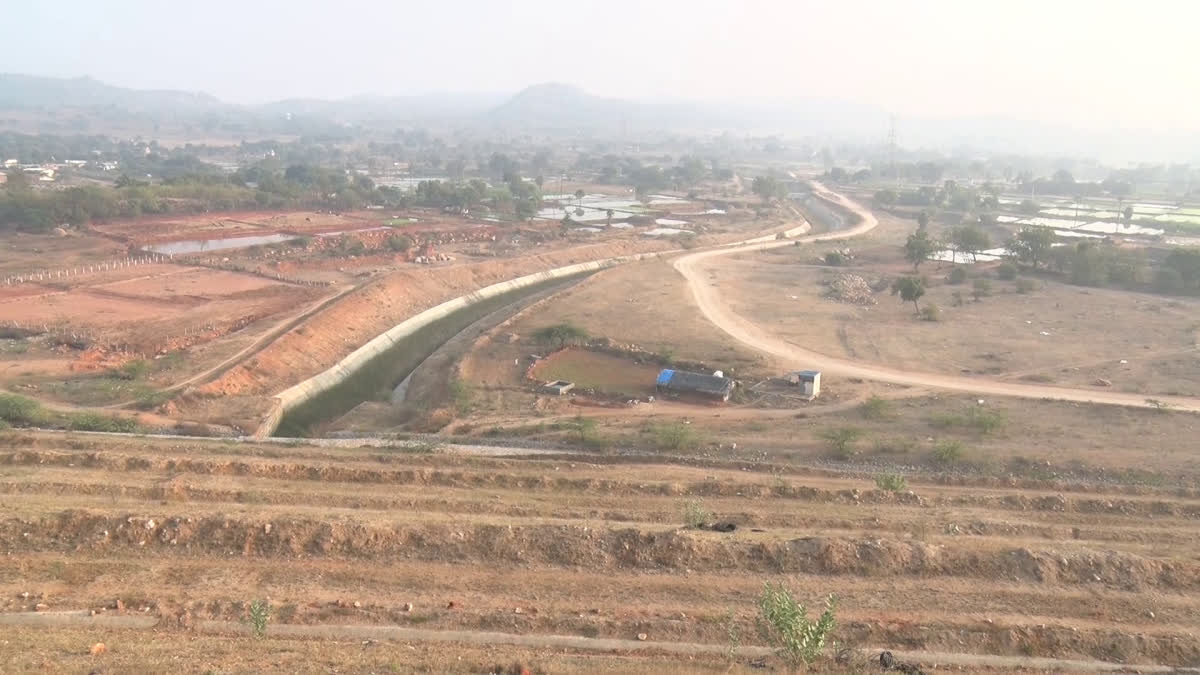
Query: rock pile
x=852 y=289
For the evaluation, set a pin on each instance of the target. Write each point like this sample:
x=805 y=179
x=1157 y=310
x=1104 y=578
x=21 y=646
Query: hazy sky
x=1095 y=63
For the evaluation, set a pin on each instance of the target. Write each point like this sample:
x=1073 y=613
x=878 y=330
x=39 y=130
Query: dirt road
x=800 y=357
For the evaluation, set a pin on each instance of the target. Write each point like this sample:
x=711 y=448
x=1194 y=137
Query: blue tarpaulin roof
x=664 y=377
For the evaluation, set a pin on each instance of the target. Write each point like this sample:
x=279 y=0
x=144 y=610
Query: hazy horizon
x=1092 y=65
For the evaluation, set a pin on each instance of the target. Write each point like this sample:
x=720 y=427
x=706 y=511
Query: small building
x=558 y=387
x=681 y=382
x=809 y=379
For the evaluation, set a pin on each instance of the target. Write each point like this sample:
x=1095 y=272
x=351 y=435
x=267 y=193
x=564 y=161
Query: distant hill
x=556 y=106
x=28 y=91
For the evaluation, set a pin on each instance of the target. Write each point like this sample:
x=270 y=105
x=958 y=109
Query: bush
x=149 y=400
x=1025 y=286
x=875 y=408
x=957 y=275
x=259 y=616
x=785 y=624
x=695 y=515
x=981 y=289
x=675 y=436
x=95 y=422
x=835 y=259
x=957 y=298
x=978 y=418
x=132 y=370
x=462 y=395
x=948 y=452
x=20 y=411
x=892 y=482
x=1007 y=271
x=930 y=312
x=561 y=334
x=841 y=441
x=399 y=243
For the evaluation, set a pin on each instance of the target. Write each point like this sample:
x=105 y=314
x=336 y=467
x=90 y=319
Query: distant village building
x=681 y=382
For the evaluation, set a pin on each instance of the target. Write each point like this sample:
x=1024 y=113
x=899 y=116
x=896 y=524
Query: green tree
x=16 y=180
x=768 y=188
x=561 y=334
x=1032 y=245
x=923 y=219
x=910 y=289
x=970 y=239
x=919 y=247
x=1128 y=214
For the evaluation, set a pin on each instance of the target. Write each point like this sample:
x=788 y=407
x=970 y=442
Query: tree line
x=1088 y=262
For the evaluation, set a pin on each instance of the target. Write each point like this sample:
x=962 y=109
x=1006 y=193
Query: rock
x=25 y=595
x=41 y=607
x=267 y=528
x=1101 y=382
x=1150 y=614
x=408 y=606
x=357 y=605
x=518 y=610
x=98 y=649
x=451 y=605
x=641 y=637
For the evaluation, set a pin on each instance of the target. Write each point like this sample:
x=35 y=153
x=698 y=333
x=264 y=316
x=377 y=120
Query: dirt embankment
x=334 y=333
x=588 y=547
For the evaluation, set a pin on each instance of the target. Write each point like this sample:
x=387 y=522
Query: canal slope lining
x=301 y=392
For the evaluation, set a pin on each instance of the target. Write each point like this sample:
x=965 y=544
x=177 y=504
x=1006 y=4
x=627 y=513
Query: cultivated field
x=343 y=542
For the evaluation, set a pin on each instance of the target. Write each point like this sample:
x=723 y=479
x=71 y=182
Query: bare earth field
x=186 y=533
x=1056 y=333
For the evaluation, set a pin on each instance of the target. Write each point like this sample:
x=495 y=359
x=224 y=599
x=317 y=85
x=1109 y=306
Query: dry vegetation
x=190 y=533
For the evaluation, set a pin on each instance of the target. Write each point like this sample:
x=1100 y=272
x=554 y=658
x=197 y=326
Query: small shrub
x=20 y=411
x=948 y=452
x=132 y=370
x=399 y=243
x=695 y=515
x=89 y=421
x=675 y=436
x=957 y=298
x=892 y=482
x=149 y=400
x=785 y=624
x=841 y=441
x=981 y=289
x=957 y=275
x=875 y=408
x=835 y=259
x=983 y=420
x=462 y=395
x=1007 y=271
x=931 y=312
x=1025 y=286
x=260 y=615
x=561 y=334
x=894 y=446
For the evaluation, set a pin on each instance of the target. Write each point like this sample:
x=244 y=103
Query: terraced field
x=419 y=558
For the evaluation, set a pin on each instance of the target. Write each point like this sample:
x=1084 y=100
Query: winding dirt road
x=691 y=266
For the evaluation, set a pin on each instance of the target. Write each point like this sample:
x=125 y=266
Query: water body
x=222 y=244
